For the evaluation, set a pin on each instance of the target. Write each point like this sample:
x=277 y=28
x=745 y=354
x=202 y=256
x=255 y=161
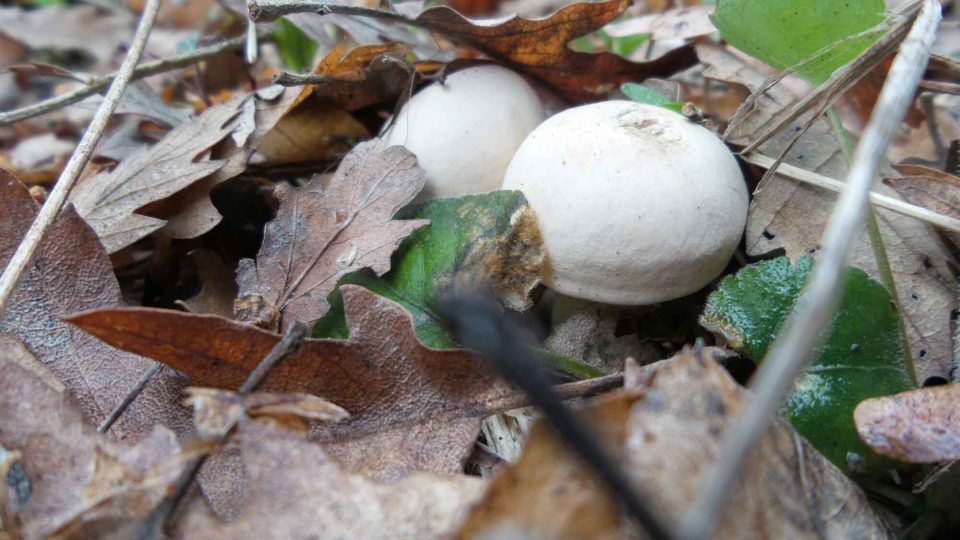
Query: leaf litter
x=368 y=431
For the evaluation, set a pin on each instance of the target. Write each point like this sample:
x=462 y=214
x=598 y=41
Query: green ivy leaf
x=428 y=259
x=642 y=94
x=296 y=49
x=862 y=355
x=784 y=33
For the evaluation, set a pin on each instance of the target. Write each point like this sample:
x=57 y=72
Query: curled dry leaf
x=412 y=408
x=918 y=426
x=785 y=214
x=299 y=492
x=108 y=201
x=322 y=234
x=71 y=273
x=215 y=412
x=81 y=484
x=667 y=431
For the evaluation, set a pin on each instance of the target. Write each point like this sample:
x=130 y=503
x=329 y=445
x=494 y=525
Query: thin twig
x=577 y=389
x=817 y=302
x=96 y=84
x=478 y=325
x=940 y=87
x=71 y=172
x=128 y=399
x=291 y=341
x=271 y=10
x=814 y=179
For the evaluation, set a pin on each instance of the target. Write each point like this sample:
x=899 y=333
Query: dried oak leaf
x=411 y=407
x=667 y=432
x=320 y=234
x=789 y=215
x=81 y=484
x=108 y=201
x=71 y=273
x=297 y=491
x=538 y=47
x=366 y=75
x=917 y=426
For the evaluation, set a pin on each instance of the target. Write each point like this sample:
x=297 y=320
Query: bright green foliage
x=784 y=33
x=862 y=355
x=296 y=49
x=428 y=258
x=642 y=94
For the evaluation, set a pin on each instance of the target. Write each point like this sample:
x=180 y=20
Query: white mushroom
x=465 y=130
x=636 y=204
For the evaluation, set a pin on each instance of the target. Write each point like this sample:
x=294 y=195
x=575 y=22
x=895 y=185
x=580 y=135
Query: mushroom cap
x=635 y=203
x=465 y=130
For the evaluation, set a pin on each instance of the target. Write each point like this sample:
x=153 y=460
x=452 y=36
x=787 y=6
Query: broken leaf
x=108 y=201
x=71 y=273
x=216 y=412
x=81 y=484
x=411 y=408
x=862 y=354
x=322 y=234
x=487 y=241
x=917 y=426
x=785 y=34
x=667 y=433
x=297 y=491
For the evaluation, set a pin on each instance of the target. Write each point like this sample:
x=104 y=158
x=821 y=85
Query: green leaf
x=428 y=259
x=862 y=355
x=784 y=33
x=296 y=49
x=642 y=94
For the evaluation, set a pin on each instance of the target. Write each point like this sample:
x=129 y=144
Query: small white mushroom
x=465 y=130
x=635 y=203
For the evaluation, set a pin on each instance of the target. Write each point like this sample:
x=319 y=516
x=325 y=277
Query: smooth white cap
x=635 y=203
x=465 y=130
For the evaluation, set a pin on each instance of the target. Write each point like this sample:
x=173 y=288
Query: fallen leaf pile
x=239 y=325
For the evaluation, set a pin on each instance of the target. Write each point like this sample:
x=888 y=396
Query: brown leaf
x=82 y=485
x=215 y=412
x=667 y=432
x=917 y=426
x=296 y=491
x=311 y=132
x=366 y=75
x=412 y=408
x=108 y=201
x=71 y=273
x=321 y=234
x=785 y=214
x=929 y=188
x=218 y=285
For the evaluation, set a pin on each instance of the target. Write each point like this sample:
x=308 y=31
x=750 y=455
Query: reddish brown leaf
x=918 y=426
x=82 y=485
x=322 y=234
x=538 y=47
x=412 y=408
x=667 y=431
x=71 y=273
x=108 y=201
x=297 y=491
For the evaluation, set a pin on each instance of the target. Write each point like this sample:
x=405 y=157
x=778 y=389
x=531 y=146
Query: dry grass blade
x=71 y=172
x=817 y=302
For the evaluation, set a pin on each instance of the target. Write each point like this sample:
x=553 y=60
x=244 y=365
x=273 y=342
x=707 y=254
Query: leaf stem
x=71 y=172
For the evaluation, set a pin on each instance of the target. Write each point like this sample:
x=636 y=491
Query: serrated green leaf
x=784 y=33
x=642 y=94
x=862 y=355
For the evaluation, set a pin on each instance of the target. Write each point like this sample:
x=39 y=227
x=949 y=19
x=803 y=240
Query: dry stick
x=95 y=84
x=271 y=10
x=817 y=302
x=832 y=184
x=577 y=389
x=289 y=344
x=58 y=197
x=940 y=87
x=132 y=394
